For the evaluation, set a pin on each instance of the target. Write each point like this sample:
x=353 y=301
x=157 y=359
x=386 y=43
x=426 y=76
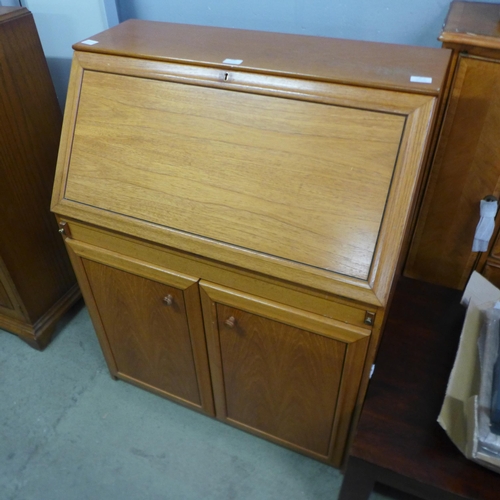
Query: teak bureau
x=235 y=205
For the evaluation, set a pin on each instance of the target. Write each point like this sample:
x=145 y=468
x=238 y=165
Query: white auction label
x=89 y=42
x=232 y=61
x=421 y=79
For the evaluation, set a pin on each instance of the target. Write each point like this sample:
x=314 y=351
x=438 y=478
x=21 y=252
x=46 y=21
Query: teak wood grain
x=291 y=385
x=377 y=65
x=370 y=263
x=258 y=171
x=149 y=337
x=91 y=241
x=262 y=360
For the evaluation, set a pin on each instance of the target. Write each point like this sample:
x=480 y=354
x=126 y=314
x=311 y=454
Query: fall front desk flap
x=301 y=165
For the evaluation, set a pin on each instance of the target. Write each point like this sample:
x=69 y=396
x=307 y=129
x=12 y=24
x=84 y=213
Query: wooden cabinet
x=268 y=195
x=466 y=166
x=37 y=283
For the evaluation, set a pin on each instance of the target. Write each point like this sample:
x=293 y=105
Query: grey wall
x=60 y=23
x=414 y=22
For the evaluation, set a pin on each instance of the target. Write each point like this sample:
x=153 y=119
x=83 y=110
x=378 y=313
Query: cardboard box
x=459 y=415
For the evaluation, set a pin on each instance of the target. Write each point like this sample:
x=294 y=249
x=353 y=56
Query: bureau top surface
x=379 y=65
x=473 y=23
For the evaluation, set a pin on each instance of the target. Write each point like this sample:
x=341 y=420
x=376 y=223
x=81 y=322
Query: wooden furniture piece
x=466 y=165
x=398 y=441
x=243 y=197
x=37 y=283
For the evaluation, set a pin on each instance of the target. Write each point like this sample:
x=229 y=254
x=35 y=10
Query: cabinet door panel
x=278 y=379
x=284 y=374
x=149 y=338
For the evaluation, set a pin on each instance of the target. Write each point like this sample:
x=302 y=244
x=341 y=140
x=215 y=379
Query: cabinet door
x=150 y=330
x=278 y=372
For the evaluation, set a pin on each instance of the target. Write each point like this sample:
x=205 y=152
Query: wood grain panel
x=149 y=339
x=274 y=378
x=259 y=172
x=465 y=170
x=280 y=380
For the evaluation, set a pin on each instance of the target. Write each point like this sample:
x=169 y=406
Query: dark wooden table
x=398 y=441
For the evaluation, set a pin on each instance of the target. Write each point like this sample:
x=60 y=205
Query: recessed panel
x=148 y=336
x=280 y=380
x=302 y=181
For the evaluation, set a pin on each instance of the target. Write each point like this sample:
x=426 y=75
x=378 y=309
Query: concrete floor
x=68 y=431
